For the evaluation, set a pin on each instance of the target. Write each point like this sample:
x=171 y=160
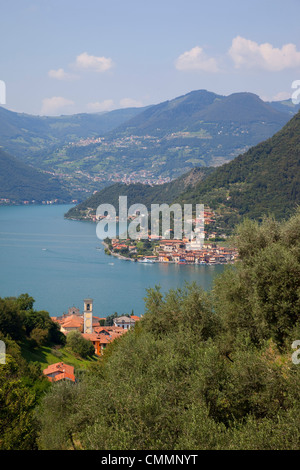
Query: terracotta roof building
x=59 y=371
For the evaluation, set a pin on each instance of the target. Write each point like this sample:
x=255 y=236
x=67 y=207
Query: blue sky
x=71 y=56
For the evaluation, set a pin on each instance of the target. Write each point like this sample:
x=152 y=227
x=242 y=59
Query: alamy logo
x=296 y=93
x=134 y=222
x=2 y=352
x=2 y=92
x=295 y=358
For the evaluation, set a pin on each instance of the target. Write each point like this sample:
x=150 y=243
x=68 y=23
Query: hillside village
x=92 y=327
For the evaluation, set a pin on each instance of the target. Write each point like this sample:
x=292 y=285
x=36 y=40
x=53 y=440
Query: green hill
x=169 y=116
x=195 y=109
x=19 y=182
x=199 y=129
x=266 y=179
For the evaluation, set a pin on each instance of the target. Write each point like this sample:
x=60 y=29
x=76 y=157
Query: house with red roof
x=59 y=371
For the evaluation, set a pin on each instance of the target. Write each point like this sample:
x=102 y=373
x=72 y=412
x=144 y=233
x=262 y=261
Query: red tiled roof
x=135 y=317
x=62 y=371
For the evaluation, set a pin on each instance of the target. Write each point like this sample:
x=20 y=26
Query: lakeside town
x=180 y=251
x=170 y=251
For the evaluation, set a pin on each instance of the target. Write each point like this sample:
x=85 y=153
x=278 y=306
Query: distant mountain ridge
x=166 y=140
x=156 y=143
x=23 y=134
x=190 y=111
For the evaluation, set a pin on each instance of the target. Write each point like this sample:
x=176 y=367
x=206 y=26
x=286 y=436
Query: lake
x=60 y=262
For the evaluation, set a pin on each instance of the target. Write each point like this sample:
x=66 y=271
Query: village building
x=59 y=371
x=124 y=322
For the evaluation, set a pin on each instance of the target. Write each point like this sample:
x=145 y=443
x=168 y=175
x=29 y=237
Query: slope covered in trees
x=201 y=370
x=196 y=109
x=266 y=179
x=20 y=182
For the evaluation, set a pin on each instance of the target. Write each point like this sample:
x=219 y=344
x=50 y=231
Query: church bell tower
x=88 y=316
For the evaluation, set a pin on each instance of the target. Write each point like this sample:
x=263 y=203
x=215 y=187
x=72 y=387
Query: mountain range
x=166 y=140
x=86 y=152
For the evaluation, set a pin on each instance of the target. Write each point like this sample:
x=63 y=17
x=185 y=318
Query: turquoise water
x=57 y=262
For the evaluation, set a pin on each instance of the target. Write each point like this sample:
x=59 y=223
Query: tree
x=80 y=345
x=11 y=323
x=261 y=293
x=17 y=402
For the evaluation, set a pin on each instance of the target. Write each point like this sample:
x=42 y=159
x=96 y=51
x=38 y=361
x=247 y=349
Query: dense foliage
x=21 y=382
x=80 y=345
x=201 y=370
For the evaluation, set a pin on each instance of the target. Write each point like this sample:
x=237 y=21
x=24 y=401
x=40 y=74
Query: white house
x=124 y=322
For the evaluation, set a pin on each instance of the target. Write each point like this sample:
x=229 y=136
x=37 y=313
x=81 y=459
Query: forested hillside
x=19 y=182
x=265 y=180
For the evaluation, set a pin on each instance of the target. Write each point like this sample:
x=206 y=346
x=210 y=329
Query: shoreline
x=124 y=258
x=116 y=255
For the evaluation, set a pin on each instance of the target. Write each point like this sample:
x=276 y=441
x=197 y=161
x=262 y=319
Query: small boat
x=145 y=260
x=111 y=264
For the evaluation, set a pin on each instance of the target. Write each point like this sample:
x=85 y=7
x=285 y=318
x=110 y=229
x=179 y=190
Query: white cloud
x=60 y=74
x=91 y=62
x=106 y=105
x=196 y=59
x=250 y=54
x=130 y=103
x=55 y=105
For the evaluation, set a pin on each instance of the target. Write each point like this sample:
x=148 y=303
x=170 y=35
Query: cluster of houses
x=178 y=251
x=182 y=252
x=167 y=250
x=90 y=328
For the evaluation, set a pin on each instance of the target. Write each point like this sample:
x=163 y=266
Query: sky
x=85 y=56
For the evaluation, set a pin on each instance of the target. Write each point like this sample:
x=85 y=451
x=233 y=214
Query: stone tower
x=88 y=316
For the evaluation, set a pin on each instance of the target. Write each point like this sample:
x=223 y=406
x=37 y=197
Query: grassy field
x=45 y=356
